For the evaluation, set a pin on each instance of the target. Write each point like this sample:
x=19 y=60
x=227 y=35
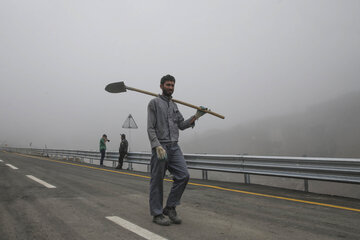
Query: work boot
x=161 y=220
x=171 y=213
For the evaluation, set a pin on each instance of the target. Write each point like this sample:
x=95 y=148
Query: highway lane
x=86 y=194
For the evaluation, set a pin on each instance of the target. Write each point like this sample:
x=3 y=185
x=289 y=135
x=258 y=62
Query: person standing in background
x=123 y=150
x=103 y=141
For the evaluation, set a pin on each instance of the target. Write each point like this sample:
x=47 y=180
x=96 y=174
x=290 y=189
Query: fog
x=247 y=60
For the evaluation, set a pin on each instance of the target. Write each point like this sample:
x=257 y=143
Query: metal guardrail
x=345 y=170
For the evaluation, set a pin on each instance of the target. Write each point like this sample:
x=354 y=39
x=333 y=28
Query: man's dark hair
x=167 y=78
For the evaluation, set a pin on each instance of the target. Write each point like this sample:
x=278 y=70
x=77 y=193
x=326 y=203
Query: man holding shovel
x=164 y=122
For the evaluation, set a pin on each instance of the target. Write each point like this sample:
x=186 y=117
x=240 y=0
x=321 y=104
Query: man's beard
x=167 y=93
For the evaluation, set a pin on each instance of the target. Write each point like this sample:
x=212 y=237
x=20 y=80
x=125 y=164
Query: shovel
x=118 y=87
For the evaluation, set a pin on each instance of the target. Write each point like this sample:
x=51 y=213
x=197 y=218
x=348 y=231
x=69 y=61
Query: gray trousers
x=176 y=165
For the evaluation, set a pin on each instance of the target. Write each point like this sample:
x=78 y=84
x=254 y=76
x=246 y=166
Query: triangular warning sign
x=129 y=122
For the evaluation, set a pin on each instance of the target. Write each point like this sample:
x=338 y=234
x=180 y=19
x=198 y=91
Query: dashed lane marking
x=12 y=166
x=135 y=228
x=204 y=185
x=41 y=181
x=1 y=160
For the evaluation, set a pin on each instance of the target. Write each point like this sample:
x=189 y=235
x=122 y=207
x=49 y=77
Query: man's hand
x=161 y=153
x=200 y=113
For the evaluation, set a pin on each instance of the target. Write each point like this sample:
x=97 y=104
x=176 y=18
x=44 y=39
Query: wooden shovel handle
x=199 y=108
x=177 y=101
x=141 y=91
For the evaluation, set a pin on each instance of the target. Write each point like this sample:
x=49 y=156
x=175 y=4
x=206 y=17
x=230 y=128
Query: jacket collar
x=163 y=97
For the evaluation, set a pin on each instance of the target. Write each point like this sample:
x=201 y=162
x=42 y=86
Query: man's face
x=168 y=88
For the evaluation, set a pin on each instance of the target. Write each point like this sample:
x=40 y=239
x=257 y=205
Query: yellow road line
x=277 y=197
x=203 y=185
x=80 y=165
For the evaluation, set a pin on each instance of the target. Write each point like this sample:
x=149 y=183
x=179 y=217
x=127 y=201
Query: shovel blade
x=116 y=87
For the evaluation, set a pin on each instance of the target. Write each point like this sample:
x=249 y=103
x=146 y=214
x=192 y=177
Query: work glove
x=161 y=153
x=200 y=113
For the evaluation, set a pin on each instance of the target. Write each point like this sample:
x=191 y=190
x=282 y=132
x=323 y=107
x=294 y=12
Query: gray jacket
x=164 y=121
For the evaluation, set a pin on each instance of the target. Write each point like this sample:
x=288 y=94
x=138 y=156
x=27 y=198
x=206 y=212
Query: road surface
x=42 y=198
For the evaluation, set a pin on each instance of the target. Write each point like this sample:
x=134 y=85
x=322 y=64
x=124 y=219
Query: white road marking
x=13 y=167
x=1 y=160
x=135 y=228
x=41 y=181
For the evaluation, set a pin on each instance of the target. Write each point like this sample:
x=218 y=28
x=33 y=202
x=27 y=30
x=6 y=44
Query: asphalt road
x=84 y=201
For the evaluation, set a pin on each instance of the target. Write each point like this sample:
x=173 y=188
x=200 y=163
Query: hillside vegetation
x=330 y=129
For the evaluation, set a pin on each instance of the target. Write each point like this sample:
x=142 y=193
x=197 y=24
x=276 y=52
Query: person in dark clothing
x=163 y=124
x=103 y=141
x=123 y=150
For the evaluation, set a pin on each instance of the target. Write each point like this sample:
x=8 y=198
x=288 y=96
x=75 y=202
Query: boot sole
x=162 y=224
x=172 y=221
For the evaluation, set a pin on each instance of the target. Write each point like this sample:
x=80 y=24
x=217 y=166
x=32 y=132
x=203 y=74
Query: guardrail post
x=130 y=166
x=148 y=168
x=306 y=185
x=204 y=175
x=247 y=178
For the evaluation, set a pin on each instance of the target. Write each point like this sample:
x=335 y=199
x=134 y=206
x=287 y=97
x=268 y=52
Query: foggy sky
x=246 y=60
